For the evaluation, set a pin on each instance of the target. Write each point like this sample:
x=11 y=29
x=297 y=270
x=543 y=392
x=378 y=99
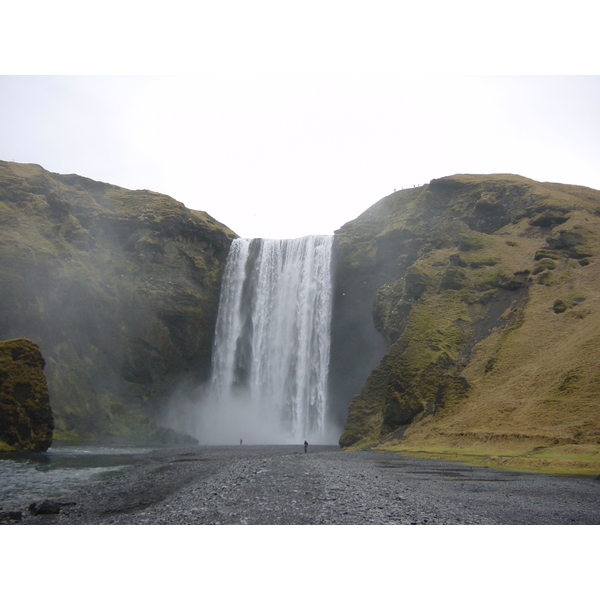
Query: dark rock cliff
x=466 y=310
x=119 y=288
x=26 y=420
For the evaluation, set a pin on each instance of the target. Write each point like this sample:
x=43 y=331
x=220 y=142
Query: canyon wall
x=119 y=289
x=474 y=301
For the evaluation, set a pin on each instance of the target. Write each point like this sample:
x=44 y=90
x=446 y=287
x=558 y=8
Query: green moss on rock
x=544 y=264
x=547 y=253
x=26 y=420
x=455 y=278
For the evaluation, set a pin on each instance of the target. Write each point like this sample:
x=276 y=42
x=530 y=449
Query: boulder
x=45 y=507
x=26 y=421
x=7 y=516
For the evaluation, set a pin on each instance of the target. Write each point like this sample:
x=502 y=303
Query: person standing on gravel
x=305 y=446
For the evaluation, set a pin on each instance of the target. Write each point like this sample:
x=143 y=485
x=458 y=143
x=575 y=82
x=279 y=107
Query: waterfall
x=271 y=355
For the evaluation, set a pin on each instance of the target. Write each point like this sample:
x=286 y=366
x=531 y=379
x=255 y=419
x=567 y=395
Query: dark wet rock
x=10 y=515
x=560 y=306
x=45 y=507
x=165 y=435
x=549 y=218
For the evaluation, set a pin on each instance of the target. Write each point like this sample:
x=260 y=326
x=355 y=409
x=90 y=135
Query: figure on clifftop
x=305 y=446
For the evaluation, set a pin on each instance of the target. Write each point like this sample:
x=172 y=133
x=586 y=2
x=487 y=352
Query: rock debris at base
x=281 y=485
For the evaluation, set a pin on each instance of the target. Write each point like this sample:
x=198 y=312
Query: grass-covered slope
x=487 y=295
x=118 y=287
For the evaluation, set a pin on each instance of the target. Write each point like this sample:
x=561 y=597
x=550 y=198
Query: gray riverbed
x=238 y=485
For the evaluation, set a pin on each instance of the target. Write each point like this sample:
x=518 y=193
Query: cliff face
x=485 y=292
x=119 y=288
x=26 y=420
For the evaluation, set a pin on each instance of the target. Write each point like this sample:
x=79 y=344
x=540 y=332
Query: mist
x=270 y=363
x=210 y=423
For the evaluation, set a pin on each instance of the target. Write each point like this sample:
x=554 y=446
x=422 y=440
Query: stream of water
x=33 y=476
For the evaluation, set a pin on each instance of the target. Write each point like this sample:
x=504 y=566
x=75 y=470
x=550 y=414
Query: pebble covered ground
x=264 y=485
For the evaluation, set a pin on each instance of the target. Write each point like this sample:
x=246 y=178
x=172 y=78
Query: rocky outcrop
x=482 y=291
x=119 y=288
x=26 y=421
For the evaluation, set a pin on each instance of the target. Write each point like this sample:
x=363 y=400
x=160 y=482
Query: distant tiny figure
x=241 y=440
x=305 y=446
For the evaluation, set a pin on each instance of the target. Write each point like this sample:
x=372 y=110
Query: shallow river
x=283 y=485
x=62 y=469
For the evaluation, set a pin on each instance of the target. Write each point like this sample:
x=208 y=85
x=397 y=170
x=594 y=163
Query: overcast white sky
x=288 y=119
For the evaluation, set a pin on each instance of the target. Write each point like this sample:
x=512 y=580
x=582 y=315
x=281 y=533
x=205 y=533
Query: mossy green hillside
x=487 y=302
x=118 y=287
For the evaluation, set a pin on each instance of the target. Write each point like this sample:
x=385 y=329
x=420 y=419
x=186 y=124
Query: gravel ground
x=283 y=485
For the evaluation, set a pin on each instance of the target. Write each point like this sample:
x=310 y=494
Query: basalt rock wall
x=120 y=290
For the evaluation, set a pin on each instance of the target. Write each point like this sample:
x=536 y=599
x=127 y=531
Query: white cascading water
x=271 y=354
